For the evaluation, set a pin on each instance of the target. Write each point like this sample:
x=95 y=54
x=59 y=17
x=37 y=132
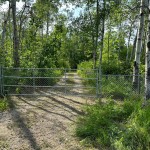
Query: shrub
x=124 y=126
x=136 y=133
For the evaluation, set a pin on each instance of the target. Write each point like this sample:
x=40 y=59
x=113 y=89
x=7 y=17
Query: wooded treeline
x=110 y=34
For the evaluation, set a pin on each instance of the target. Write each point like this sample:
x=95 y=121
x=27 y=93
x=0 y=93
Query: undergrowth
x=4 y=104
x=117 y=126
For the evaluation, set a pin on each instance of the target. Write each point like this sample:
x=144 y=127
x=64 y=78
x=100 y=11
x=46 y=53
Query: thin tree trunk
x=108 y=45
x=15 y=36
x=102 y=37
x=101 y=53
x=138 y=48
x=4 y=35
x=134 y=47
x=47 y=24
x=94 y=36
x=128 y=46
x=20 y=33
x=97 y=32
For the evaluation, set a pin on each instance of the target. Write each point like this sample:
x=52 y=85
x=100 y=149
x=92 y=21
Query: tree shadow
x=66 y=105
x=69 y=99
x=41 y=108
x=20 y=122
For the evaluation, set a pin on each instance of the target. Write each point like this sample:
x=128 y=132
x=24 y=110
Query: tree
x=138 y=47
x=15 y=36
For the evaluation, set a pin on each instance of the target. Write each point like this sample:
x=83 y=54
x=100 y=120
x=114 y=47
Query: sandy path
x=42 y=123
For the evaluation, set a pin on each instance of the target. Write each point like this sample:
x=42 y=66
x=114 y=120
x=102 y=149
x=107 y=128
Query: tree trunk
x=138 y=48
x=47 y=24
x=15 y=37
x=134 y=47
x=4 y=30
x=128 y=45
x=101 y=48
x=147 y=62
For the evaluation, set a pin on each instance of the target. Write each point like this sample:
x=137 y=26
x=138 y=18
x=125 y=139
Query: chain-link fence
x=121 y=86
x=81 y=82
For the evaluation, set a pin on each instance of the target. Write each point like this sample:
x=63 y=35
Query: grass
x=118 y=126
x=70 y=81
x=5 y=104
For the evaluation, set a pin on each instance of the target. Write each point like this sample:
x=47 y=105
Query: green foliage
x=113 y=86
x=136 y=133
x=117 y=87
x=4 y=104
x=116 y=126
x=85 y=70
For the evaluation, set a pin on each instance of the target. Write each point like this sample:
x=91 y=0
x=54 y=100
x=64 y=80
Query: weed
x=124 y=126
x=4 y=104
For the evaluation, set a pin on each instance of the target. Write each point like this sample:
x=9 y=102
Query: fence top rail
x=122 y=75
x=49 y=69
x=39 y=77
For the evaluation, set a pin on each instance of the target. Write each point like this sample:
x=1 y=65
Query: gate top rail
x=48 y=69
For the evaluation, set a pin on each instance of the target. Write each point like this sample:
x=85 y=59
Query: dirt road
x=42 y=122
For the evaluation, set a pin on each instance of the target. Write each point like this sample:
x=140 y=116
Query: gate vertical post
x=139 y=77
x=65 y=82
x=97 y=80
x=33 y=76
x=1 y=82
x=100 y=82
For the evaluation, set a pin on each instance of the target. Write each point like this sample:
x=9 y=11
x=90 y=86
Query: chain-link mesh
x=32 y=81
x=81 y=82
x=121 y=86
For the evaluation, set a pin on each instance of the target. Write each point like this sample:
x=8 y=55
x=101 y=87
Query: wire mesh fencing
x=121 y=86
x=81 y=82
x=47 y=81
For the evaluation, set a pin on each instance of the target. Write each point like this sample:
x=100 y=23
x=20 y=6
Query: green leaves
x=116 y=126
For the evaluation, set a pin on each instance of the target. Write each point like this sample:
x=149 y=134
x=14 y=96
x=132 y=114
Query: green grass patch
x=4 y=104
x=119 y=126
x=70 y=81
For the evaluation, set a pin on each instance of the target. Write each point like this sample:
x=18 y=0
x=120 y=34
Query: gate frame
x=96 y=93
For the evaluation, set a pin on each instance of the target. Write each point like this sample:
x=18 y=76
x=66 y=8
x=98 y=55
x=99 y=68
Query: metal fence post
x=65 y=82
x=33 y=80
x=100 y=82
x=1 y=82
x=97 y=80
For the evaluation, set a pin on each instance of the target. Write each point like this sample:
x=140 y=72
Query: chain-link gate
x=47 y=81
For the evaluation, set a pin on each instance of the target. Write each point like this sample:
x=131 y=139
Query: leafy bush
x=30 y=77
x=3 y=104
x=123 y=126
x=86 y=71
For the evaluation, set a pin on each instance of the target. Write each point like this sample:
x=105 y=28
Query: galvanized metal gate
x=48 y=81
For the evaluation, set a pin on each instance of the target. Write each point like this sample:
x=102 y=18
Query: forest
x=112 y=36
